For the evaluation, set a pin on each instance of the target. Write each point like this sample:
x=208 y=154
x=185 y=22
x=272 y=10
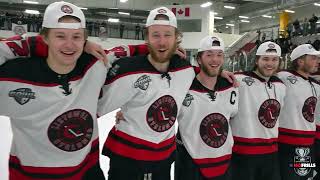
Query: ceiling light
x=229 y=7
x=215 y=13
x=289 y=11
x=114 y=8
x=113 y=20
x=230 y=25
x=124 y=13
x=245 y=21
x=316 y=4
x=123 y=1
x=83 y=8
x=266 y=16
x=31 y=2
x=217 y=17
x=31 y=11
x=244 y=17
x=207 y=4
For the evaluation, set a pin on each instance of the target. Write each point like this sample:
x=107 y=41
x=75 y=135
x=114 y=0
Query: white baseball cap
x=264 y=47
x=303 y=50
x=164 y=11
x=211 y=43
x=57 y=10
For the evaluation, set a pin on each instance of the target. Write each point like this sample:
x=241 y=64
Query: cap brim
x=315 y=53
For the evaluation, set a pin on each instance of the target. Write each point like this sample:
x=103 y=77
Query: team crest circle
x=214 y=130
x=162 y=114
x=72 y=130
x=66 y=9
x=269 y=112
x=309 y=108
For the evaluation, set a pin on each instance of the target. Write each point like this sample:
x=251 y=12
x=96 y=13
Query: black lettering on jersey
x=187 y=100
x=293 y=79
x=232 y=96
x=19 y=50
x=22 y=95
x=142 y=82
x=248 y=80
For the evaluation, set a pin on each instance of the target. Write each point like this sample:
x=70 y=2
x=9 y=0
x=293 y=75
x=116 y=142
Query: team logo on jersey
x=269 y=112
x=214 y=130
x=66 y=9
x=162 y=114
x=113 y=71
x=72 y=130
x=22 y=95
x=187 y=100
x=248 y=80
x=309 y=108
x=302 y=162
x=142 y=82
x=293 y=79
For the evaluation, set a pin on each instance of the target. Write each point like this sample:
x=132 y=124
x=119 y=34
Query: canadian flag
x=182 y=12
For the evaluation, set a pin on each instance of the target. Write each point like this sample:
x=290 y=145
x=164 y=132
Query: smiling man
x=255 y=127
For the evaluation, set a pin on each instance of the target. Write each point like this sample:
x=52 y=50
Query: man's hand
x=230 y=77
x=96 y=50
x=181 y=52
x=119 y=117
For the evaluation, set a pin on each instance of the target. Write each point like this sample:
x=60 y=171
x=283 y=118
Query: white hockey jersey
x=297 y=125
x=53 y=117
x=150 y=102
x=204 y=125
x=255 y=127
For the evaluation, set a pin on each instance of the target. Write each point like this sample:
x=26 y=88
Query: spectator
x=313 y=20
x=138 y=29
x=305 y=26
x=316 y=44
x=121 y=29
x=297 y=28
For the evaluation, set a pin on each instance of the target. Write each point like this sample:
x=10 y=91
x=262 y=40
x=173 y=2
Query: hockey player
x=255 y=127
x=53 y=119
x=297 y=126
x=204 y=140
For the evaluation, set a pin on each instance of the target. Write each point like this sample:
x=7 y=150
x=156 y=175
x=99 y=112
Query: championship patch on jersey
x=72 y=130
x=292 y=79
x=269 y=112
x=142 y=82
x=162 y=114
x=22 y=95
x=248 y=80
x=302 y=162
x=187 y=100
x=214 y=130
x=308 y=108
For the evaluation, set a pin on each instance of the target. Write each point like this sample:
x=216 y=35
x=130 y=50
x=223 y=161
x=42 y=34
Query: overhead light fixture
x=207 y=4
x=266 y=16
x=227 y=27
x=229 y=7
x=215 y=13
x=28 y=11
x=230 y=25
x=124 y=13
x=245 y=21
x=31 y=2
x=316 y=4
x=83 y=8
x=244 y=17
x=114 y=8
x=289 y=11
x=217 y=17
x=113 y=20
x=123 y=1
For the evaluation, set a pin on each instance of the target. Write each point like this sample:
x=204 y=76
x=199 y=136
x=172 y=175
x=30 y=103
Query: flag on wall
x=181 y=11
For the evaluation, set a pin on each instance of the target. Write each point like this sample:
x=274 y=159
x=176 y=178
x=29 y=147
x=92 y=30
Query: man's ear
x=45 y=39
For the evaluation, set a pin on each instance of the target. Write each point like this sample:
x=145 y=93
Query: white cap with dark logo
x=57 y=10
x=161 y=11
x=269 y=49
x=211 y=43
x=304 y=49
